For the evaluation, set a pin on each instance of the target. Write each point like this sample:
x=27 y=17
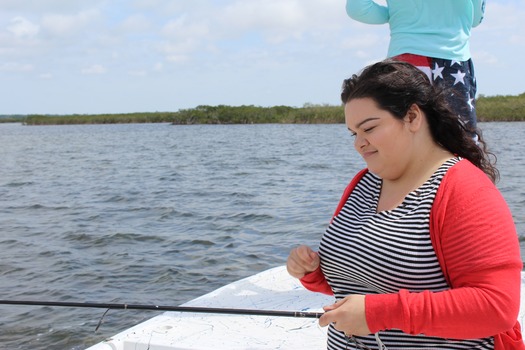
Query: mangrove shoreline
x=489 y=109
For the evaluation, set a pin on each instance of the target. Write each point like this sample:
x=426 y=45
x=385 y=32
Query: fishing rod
x=191 y=309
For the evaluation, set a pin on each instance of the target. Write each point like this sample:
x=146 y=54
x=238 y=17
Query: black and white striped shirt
x=366 y=252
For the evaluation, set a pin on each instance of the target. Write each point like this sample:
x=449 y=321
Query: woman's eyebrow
x=363 y=122
x=366 y=120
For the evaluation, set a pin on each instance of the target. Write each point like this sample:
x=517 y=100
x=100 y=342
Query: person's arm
x=303 y=263
x=479 y=252
x=479 y=12
x=367 y=11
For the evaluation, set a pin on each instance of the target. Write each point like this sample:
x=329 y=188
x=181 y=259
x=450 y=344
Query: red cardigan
x=475 y=240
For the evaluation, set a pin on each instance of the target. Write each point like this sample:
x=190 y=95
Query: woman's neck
x=422 y=167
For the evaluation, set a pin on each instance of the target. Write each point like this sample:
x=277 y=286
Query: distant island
x=489 y=109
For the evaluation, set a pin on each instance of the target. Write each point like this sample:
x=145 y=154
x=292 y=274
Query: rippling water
x=161 y=214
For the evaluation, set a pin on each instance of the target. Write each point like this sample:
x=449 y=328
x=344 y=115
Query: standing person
x=422 y=251
x=433 y=35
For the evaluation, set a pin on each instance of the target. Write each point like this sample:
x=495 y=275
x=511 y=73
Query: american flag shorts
x=456 y=78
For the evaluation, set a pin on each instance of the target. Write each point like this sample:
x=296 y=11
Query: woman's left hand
x=347 y=315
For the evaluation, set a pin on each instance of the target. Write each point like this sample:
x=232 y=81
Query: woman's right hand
x=302 y=260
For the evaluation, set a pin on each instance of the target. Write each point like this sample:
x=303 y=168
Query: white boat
x=272 y=289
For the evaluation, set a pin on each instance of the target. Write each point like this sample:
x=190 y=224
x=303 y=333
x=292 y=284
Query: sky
x=125 y=56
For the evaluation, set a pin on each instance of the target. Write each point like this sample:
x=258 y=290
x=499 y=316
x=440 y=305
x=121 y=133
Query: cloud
x=272 y=15
x=46 y=76
x=500 y=31
x=135 y=23
x=94 y=69
x=280 y=20
x=46 y=5
x=138 y=73
x=66 y=25
x=158 y=67
x=362 y=41
x=183 y=27
x=16 y=67
x=182 y=37
x=21 y=27
x=483 y=56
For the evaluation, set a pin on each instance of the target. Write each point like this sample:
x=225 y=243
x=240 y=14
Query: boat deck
x=272 y=289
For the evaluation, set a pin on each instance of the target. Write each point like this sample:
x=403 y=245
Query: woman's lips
x=368 y=154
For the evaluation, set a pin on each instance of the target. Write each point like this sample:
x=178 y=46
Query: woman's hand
x=347 y=315
x=301 y=261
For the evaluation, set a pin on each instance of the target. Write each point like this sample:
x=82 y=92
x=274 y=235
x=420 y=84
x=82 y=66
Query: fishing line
x=100 y=321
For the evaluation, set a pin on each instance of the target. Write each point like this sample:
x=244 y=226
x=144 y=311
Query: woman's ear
x=414 y=117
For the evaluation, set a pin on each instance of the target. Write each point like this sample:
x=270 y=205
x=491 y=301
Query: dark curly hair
x=395 y=86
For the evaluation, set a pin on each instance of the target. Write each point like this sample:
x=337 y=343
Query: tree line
x=493 y=108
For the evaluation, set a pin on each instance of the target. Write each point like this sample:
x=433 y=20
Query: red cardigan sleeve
x=316 y=282
x=475 y=239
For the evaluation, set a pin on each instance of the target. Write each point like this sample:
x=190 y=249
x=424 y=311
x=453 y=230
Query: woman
x=422 y=251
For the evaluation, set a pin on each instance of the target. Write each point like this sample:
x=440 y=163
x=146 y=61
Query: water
x=160 y=214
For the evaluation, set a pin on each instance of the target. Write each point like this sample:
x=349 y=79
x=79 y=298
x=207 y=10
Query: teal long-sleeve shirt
x=432 y=28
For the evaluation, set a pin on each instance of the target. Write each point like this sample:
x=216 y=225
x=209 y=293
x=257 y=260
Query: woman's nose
x=360 y=141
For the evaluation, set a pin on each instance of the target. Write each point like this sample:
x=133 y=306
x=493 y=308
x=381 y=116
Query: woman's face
x=382 y=140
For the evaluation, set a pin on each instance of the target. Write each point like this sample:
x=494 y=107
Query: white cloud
x=138 y=73
x=135 y=23
x=21 y=27
x=483 y=56
x=94 y=69
x=182 y=37
x=46 y=76
x=265 y=14
x=362 y=41
x=501 y=25
x=66 y=25
x=497 y=48
x=183 y=27
x=16 y=67
x=276 y=20
x=158 y=67
x=177 y=58
x=47 y=5
x=162 y=6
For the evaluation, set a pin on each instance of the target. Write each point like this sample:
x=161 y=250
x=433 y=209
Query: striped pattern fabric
x=365 y=252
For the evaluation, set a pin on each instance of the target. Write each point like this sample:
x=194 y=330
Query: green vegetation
x=309 y=114
x=154 y=117
x=495 y=108
x=501 y=108
x=12 y=118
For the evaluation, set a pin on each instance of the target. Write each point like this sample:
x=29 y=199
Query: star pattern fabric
x=437 y=72
x=460 y=77
x=456 y=78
